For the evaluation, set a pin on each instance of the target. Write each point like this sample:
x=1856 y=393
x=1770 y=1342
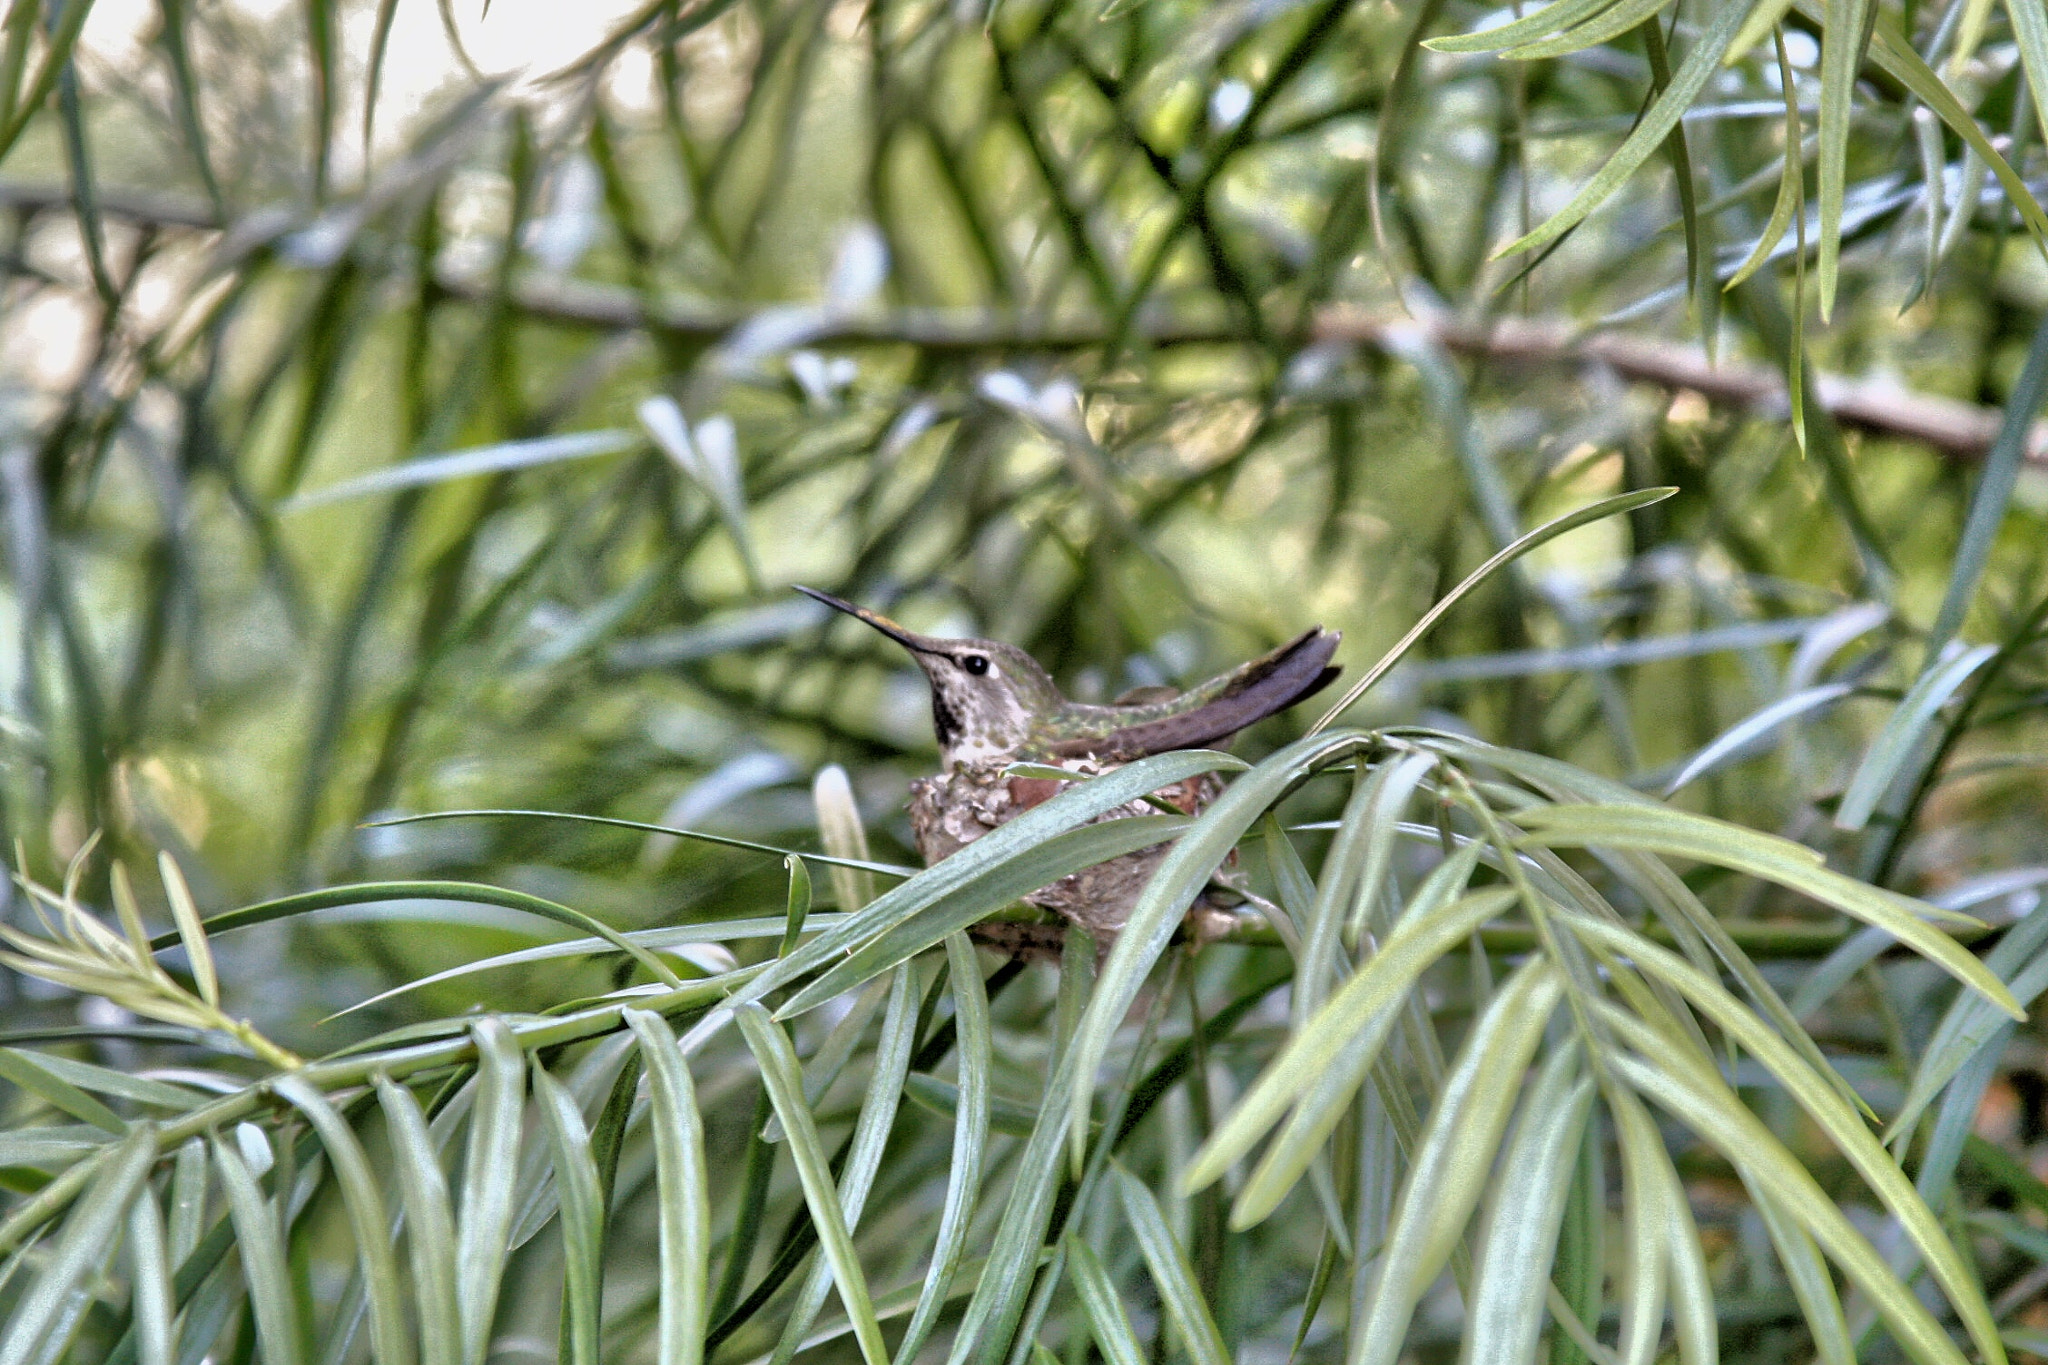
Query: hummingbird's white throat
x=977 y=718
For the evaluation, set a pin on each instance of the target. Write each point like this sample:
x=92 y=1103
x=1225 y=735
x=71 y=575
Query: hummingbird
x=993 y=706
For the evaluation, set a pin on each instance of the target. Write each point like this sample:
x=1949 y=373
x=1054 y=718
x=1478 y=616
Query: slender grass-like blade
x=1456 y=1155
x=890 y=1065
x=2000 y=473
x=1701 y=1100
x=370 y=892
x=779 y=1071
x=88 y=1240
x=1807 y=1273
x=191 y=933
x=1701 y=63
x=1653 y=1202
x=1610 y=23
x=1747 y=732
x=429 y=1224
x=971 y=1127
x=1333 y=1050
x=1550 y=530
x=1107 y=1320
x=1972 y=1022
x=581 y=1215
x=1681 y=834
x=391 y=1343
x=29 y=1071
x=259 y=1242
x=1844 y=37
x=1173 y=1275
x=152 y=1303
x=489 y=1173
x=1013 y=840
x=1550 y=19
x=1055 y=857
x=684 y=1185
x=1902 y=734
x=1512 y=1268
x=1165 y=900
x=1843 y=1126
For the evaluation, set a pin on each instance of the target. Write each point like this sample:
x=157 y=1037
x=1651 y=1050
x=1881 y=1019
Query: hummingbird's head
x=987 y=696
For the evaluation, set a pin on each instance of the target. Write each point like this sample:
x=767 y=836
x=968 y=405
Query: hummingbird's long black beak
x=908 y=639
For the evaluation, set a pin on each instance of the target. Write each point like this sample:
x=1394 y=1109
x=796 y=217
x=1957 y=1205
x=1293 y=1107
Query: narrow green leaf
x=799 y=904
x=1108 y=1322
x=1894 y=55
x=430 y=470
x=2001 y=469
x=1457 y=1154
x=90 y=1234
x=1902 y=734
x=1653 y=1203
x=684 y=1184
x=152 y=1302
x=891 y=1064
x=1550 y=530
x=1172 y=1273
x=1316 y=958
x=189 y=1182
x=373 y=69
x=185 y=914
x=970 y=1144
x=644 y=826
x=1844 y=37
x=1506 y=1313
x=1746 y=732
x=1650 y=131
x=1549 y=19
x=1680 y=834
x=1698 y=1098
x=1763 y=17
x=1843 y=1126
x=129 y=913
x=1013 y=1253
x=582 y=1216
x=429 y=1225
x=1333 y=1050
x=709 y=455
x=779 y=1071
x=106 y=1081
x=1165 y=900
x=57 y=51
x=259 y=1242
x=391 y=1343
x=489 y=1173
x=2030 y=35
x=844 y=836
x=1791 y=200
x=19 y=31
x=85 y=206
x=1610 y=23
x=1971 y=1023
x=31 y=1072
x=1811 y=1284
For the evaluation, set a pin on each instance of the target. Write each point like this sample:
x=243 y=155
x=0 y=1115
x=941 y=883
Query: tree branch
x=1959 y=430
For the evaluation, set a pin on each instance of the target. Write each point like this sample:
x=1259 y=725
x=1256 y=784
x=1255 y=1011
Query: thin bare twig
x=1957 y=429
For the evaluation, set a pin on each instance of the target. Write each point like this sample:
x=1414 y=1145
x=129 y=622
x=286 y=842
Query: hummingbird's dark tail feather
x=1298 y=669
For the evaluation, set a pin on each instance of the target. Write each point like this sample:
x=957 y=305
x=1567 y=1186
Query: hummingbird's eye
x=976 y=664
